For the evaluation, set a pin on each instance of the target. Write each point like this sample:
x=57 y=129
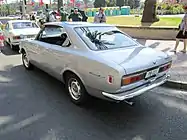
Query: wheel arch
x=70 y=71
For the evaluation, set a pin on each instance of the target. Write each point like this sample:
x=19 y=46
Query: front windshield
x=101 y=38
x=23 y=25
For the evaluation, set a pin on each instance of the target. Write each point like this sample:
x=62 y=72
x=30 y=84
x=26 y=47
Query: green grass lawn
x=136 y=21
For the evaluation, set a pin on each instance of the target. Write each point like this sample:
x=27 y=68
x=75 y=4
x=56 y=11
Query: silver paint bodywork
x=93 y=67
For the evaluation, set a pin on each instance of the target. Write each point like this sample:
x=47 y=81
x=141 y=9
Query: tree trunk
x=149 y=13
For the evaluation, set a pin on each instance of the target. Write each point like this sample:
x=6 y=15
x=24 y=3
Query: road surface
x=34 y=106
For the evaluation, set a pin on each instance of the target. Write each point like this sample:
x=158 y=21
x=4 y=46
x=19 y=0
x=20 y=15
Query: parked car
x=17 y=30
x=4 y=20
x=95 y=59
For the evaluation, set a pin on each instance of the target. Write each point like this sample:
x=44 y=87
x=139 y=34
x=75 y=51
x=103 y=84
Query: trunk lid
x=28 y=31
x=134 y=59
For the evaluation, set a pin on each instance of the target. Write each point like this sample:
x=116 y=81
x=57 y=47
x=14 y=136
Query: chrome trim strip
x=118 y=97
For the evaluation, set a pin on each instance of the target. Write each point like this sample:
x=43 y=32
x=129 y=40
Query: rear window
x=4 y=21
x=23 y=25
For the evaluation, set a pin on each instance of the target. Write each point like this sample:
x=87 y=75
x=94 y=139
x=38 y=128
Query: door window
x=54 y=35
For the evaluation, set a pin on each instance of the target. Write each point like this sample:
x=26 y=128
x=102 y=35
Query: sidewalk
x=178 y=71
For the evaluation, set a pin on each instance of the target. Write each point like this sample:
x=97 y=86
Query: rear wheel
x=26 y=62
x=76 y=89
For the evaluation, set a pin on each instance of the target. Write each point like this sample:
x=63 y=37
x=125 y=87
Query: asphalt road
x=34 y=106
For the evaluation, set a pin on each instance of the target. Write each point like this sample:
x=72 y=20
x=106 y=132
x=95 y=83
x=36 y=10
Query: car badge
x=154 y=62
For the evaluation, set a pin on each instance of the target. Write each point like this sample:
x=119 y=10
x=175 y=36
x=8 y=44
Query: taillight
x=126 y=80
x=16 y=37
x=165 y=67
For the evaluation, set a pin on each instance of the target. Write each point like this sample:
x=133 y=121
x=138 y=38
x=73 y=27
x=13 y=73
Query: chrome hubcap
x=74 y=89
x=25 y=60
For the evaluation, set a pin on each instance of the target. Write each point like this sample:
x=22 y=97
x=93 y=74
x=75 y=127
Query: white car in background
x=17 y=30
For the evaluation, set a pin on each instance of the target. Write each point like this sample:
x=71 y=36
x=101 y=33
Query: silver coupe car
x=97 y=60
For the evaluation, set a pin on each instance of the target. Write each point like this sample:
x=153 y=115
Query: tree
x=120 y=3
x=149 y=13
x=130 y=3
x=110 y=3
x=136 y=3
x=99 y=3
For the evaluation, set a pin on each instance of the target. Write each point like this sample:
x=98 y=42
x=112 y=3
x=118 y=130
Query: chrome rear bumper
x=128 y=95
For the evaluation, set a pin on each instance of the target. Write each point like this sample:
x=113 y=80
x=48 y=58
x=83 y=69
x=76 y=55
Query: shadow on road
x=32 y=101
x=143 y=42
x=7 y=51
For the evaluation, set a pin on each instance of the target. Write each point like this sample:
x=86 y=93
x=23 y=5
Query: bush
x=169 y=9
x=136 y=11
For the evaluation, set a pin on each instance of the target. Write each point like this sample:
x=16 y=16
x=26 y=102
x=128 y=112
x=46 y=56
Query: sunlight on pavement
x=51 y=135
x=172 y=93
x=137 y=138
x=4 y=79
x=5 y=119
x=172 y=103
x=23 y=123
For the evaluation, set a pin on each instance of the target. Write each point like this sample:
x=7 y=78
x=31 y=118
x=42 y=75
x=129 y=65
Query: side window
x=54 y=35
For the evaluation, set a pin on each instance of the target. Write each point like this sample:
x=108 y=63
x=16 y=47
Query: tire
x=26 y=62
x=82 y=95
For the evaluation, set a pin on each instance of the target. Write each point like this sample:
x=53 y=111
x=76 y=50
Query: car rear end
x=137 y=83
x=20 y=33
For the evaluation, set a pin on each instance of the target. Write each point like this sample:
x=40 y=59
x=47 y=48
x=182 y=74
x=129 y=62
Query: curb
x=176 y=85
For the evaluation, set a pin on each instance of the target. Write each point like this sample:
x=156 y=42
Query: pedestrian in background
x=1 y=40
x=84 y=16
x=63 y=14
x=182 y=34
x=100 y=17
x=75 y=16
x=33 y=17
x=47 y=15
x=52 y=16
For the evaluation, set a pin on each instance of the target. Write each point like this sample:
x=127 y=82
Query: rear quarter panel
x=94 y=71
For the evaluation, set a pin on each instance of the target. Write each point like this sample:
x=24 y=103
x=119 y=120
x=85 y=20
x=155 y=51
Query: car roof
x=78 y=24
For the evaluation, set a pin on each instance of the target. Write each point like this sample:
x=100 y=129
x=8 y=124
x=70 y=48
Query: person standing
x=47 y=15
x=182 y=34
x=100 y=17
x=75 y=16
x=41 y=18
x=63 y=14
x=52 y=16
x=33 y=17
x=84 y=16
x=1 y=40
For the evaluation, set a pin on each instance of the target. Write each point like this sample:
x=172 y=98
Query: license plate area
x=30 y=36
x=151 y=73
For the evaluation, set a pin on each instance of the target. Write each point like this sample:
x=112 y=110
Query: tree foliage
x=110 y=3
x=7 y=9
x=132 y=3
x=120 y=3
x=99 y=3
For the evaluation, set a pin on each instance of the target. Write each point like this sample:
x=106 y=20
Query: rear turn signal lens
x=132 y=79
